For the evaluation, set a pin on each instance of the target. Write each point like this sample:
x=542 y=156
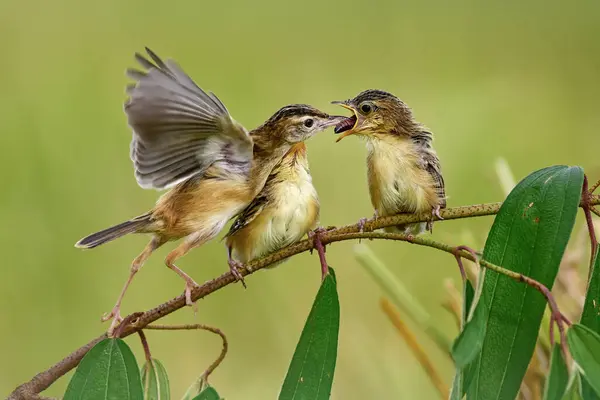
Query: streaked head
x=298 y=122
x=376 y=112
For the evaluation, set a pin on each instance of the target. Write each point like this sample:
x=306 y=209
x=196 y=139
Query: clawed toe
x=115 y=315
x=189 y=286
x=436 y=211
x=361 y=224
x=234 y=266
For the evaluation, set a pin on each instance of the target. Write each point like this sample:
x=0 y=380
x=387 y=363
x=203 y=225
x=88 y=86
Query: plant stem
x=586 y=200
x=218 y=361
x=410 y=339
x=146 y=348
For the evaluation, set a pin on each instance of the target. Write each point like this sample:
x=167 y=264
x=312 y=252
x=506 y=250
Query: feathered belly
x=287 y=219
x=398 y=185
x=400 y=194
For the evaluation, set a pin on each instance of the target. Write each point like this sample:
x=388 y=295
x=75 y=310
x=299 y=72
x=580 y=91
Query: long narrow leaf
x=558 y=377
x=108 y=371
x=590 y=317
x=310 y=375
x=470 y=340
x=460 y=381
x=574 y=388
x=584 y=345
x=399 y=294
x=529 y=236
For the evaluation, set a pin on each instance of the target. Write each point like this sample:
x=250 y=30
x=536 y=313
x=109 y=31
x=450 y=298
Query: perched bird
x=404 y=171
x=286 y=209
x=185 y=140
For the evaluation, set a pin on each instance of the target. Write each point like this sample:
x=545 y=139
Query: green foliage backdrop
x=509 y=80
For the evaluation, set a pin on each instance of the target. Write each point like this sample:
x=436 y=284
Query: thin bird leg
x=320 y=247
x=233 y=267
x=190 y=242
x=137 y=263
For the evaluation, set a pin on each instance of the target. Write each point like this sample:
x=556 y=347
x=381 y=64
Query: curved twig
x=218 y=361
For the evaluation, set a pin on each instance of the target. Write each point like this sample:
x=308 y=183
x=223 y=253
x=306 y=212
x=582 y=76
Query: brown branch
x=586 y=204
x=149 y=364
x=414 y=346
x=43 y=380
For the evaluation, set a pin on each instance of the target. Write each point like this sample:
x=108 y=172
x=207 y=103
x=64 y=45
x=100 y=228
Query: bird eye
x=366 y=108
x=309 y=122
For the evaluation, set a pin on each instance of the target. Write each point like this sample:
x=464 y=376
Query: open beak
x=334 y=120
x=346 y=127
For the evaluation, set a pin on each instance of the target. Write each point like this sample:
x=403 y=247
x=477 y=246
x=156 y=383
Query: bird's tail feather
x=136 y=224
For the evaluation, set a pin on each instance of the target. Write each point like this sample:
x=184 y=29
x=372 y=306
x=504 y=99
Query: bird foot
x=115 y=315
x=363 y=222
x=315 y=236
x=234 y=266
x=189 y=286
x=435 y=212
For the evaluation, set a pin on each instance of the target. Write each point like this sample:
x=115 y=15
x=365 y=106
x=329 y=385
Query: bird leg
x=363 y=221
x=191 y=242
x=138 y=262
x=435 y=212
x=318 y=245
x=233 y=267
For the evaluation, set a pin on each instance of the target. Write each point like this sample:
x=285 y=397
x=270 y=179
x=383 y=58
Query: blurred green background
x=512 y=80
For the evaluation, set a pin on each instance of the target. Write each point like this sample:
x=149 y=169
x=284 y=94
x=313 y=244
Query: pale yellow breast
x=292 y=210
x=397 y=183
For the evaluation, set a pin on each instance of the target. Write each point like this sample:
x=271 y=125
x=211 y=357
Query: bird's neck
x=387 y=146
x=264 y=160
x=414 y=138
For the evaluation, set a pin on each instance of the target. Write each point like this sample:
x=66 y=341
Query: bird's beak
x=349 y=123
x=334 y=120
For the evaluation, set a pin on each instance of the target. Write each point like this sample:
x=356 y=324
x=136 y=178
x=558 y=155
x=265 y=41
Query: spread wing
x=179 y=130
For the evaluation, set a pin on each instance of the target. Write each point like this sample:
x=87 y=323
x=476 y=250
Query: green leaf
x=310 y=375
x=590 y=317
x=529 y=236
x=460 y=380
x=468 y=343
x=108 y=371
x=208 y=393
x=155 y=381
x=584 y=345
x=558 y=377
x=574 y=389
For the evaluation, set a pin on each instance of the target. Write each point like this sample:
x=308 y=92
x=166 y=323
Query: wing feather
x=249 y=214
x=431 y=164
x=179 y=130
